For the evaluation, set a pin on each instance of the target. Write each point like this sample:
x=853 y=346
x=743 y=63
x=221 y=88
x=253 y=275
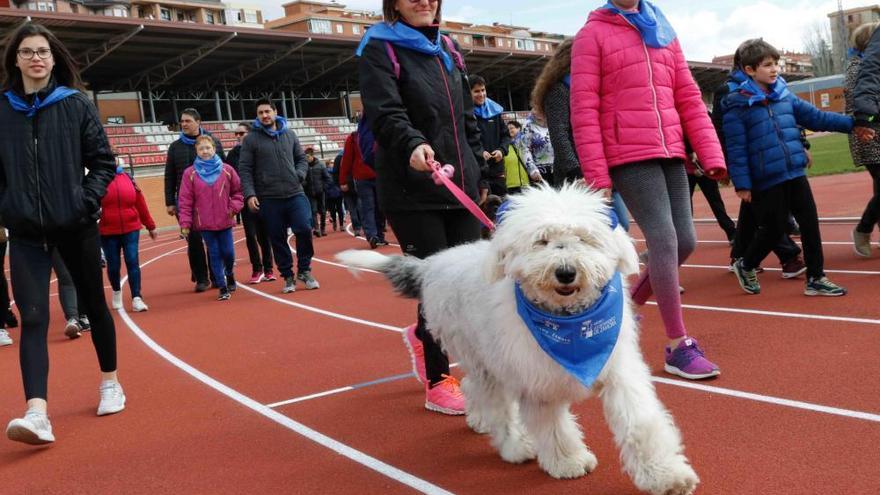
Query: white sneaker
x=112 y=398
x=117 y=299
x=34 y=428
x=5 y=339
x=72 y=329
x=138 y=305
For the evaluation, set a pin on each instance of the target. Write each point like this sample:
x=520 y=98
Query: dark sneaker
x=793 y=267
x=84 y=323
x=733 y=260
x=289 y=285
x=374 y=242
x=307 y=278
x=230 y=283
x=11 y=320
x=202 y=286
x=382 y=242
x=821 y=286
x=687 y=361
x=224 y=295
x=748 y=279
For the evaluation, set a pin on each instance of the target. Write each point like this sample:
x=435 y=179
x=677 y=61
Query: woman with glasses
x=417 y=96
x=50 y=133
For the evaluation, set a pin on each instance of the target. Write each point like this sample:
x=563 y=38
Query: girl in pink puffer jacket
x=633 y=101
x=210 y=197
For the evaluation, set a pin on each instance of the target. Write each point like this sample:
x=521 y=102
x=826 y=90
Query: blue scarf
x=489 y=109
x=567 y=81
x=20 y=105
x=191 y=141
x=119 y=169
x=855 y=52
x=280 y=126
x=399 y=34
x=650 y=21
x=778 y=91
x=581 y=343
x=209 y=170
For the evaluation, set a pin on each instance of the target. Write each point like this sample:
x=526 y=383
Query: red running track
x=796 y=410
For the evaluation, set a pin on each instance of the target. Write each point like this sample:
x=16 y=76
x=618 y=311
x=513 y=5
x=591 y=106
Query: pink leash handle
x=442 y=175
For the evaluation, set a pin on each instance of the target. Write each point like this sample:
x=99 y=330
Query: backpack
x=365 y=140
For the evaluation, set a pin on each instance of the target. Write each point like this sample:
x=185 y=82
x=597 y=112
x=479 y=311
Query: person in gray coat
x=273 y=168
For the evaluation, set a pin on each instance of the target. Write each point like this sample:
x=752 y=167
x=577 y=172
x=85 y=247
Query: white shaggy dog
x=558 y=246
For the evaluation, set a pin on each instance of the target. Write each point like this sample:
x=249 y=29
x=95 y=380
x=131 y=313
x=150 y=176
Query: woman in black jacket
x=50 y=133
x=417 y=96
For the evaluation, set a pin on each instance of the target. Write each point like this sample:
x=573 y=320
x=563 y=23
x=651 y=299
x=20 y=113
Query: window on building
x=455 y=36
x=250 y=16
x=467 y=39
x=165 y=14
x=116 y=12
x=520 y=45
x=320 y=26
x=339 y=29
x=180 y=16
x=42 y=6
x=209 y=17
x=529 y=45
x=74 y=8
x=356 y=29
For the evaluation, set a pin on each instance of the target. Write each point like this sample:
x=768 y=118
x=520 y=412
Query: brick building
x=789 y=62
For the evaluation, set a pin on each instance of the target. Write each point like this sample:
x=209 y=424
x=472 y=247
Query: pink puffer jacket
x=624 y=110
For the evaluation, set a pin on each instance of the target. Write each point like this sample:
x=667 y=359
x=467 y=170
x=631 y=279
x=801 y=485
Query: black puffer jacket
x=271 y=167
x=234 y=156
x=866 y=92
x=425 y=105
x=44 y=190
x=317 y=178
x=180 y=157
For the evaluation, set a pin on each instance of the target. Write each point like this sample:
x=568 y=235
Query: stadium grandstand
x=159 y=67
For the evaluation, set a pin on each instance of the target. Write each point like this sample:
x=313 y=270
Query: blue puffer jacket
x=762 y=137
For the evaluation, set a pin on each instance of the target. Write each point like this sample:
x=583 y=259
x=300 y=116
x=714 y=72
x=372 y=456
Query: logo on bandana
x=580 y=343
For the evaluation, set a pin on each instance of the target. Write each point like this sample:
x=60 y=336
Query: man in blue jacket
x=766 y=162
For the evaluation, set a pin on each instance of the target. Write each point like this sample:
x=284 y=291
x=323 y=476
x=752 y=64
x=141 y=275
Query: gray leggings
x=656 y=193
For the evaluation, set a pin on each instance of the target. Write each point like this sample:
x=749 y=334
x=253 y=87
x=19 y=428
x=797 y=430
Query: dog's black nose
x=565 y=274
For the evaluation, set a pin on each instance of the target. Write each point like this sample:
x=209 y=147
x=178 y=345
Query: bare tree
x=817 y=43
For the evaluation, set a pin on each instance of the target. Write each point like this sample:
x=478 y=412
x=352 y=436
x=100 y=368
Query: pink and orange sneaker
x=445 y=397
x=416 y=353
x=269 y=276
x=256 y=278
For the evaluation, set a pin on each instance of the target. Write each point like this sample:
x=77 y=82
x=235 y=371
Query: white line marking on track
x=710 y=241
x=846 y=319
x=313 y=435
x=726 y=268
x=770 y=399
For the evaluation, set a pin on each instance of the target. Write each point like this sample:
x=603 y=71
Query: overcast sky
x=706 y=28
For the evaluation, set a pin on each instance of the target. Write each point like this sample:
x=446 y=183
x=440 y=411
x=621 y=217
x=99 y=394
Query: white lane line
x=727 y=268
x=310 y=397
x=849 y=413
x=710 y=241
x=313 y=435
x=782 y=314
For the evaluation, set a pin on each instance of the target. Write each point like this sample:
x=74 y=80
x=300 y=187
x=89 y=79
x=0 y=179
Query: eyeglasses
x=239 y=133
x=28 y=53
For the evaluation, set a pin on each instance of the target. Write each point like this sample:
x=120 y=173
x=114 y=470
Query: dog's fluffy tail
x=404 y=272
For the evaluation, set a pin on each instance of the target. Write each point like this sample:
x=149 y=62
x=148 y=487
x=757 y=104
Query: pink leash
x=442 y=175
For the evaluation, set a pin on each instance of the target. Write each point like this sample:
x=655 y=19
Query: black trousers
x=198 y=257
x=710 y=191
x=771 y=209
x=872 y=210
x=336 y=211
x=257 y=239
x=4 y=289
x=421 y=234
x=319 y=210
x=31 y=263
x=747 y=226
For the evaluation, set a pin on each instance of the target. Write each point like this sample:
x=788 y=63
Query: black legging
x=4 y=289
x=713 y=197
x=258 y=245
x=421 y=234
x=30 y=263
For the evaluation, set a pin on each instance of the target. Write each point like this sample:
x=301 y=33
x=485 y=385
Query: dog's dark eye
x=542 y=242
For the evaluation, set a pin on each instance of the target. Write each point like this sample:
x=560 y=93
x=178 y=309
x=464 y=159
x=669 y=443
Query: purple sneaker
x=688 y=361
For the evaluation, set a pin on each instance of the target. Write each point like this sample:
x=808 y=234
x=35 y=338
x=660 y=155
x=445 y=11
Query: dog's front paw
x=477 y=422
x=573 y=466
x=516 y=448
x=675 y=477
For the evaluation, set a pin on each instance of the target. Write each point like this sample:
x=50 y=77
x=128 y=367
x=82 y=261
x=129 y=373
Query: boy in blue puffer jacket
x=766 y=162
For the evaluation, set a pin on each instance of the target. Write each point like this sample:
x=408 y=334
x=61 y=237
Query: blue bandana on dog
x=581 y=343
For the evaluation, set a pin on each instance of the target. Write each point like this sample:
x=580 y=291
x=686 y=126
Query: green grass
x=831 y=155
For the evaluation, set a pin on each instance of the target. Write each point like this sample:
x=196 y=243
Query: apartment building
x=843 y=23
x=334 y=18
x=190 y=11
x=789 y=62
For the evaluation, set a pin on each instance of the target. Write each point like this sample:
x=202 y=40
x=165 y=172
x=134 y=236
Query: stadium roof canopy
x=130 y=54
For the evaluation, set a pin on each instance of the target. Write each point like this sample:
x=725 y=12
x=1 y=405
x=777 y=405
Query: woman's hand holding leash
x=420 y=158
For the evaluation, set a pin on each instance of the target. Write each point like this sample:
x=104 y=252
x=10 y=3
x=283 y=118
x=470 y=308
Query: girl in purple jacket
x=210 y=197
